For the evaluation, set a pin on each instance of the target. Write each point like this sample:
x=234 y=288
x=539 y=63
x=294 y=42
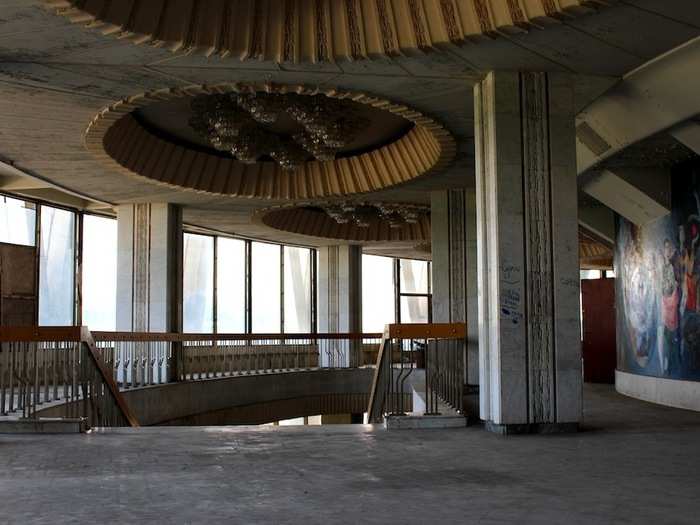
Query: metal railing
x=84 y=371
x=142 y=359
x=42 y=366
x=436 y=348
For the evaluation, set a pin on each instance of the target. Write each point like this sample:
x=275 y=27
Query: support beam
x=527 y=240
x=18 y=183
x=688 y=134
x=149 y=267
x=650 y=99
x=597 y=218
x=640 y=195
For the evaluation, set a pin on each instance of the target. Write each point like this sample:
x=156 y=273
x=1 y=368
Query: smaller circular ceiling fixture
x=353 y=221
x=268 y=141
x=315 y=31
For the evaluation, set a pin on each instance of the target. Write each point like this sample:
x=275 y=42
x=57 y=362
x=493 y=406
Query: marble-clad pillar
x=527 y=244
x=340 y=295
x=453 y=245
x=149 y=267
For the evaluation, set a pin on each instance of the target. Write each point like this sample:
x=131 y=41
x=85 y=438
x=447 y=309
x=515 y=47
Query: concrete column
x=453 y=240
x=527 y=243
x=149 y=267
x=340 y=292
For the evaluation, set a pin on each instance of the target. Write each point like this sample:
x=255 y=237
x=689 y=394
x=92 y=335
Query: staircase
x=427 y=362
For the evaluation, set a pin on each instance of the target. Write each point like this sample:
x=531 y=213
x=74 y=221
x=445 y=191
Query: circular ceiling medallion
x=361 y=221
x=313 y=31
x=268 y=141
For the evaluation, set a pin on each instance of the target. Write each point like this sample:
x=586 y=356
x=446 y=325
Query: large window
x=394 y=290
x=99 y=285
x=198 y=283
x=17 y=221
x=297 y=290
x=378 y=294
x=230 y=285
x=57 y=267
x=265 y=290
x=259 y=287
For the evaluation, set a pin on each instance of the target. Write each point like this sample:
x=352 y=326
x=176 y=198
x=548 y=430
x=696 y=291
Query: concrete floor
x=634 y=463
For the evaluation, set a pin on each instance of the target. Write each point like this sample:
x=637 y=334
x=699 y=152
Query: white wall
x=670 y=392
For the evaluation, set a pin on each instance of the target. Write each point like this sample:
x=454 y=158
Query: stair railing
x=45 y=366
x=438 y=348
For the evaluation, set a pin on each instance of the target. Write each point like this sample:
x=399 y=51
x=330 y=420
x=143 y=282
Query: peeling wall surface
x=657 y=287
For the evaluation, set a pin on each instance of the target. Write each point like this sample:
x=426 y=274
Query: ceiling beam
x=639 y=195
x=598 y=219
x=13 y=180
x=17 y=183
x=688 y=134
x=650 y=99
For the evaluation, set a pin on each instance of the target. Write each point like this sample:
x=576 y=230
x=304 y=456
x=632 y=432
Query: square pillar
x=149 y=268
x=527 y=244
x=453 y=241
x=340 y=297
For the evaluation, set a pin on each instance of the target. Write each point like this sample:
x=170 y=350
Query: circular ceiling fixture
x=240 y=124
x=353 y=221
x=268 y=141
x=314 y=30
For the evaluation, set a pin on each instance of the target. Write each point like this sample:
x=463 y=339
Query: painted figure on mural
x=670 y=301
x=637 y=291
x=658 y=286
x=689 y=235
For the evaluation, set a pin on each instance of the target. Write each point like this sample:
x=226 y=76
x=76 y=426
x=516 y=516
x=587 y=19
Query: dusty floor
x=634 y=463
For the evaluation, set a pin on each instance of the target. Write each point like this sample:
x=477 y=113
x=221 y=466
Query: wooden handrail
x=75 y=333
x=428 y=331
x=28 y=334
x=176 y=337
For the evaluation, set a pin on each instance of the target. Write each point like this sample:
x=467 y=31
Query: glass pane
x=198 y=284
x=414 y=276
x=297 y=290
x=99 y=273
x=230 y=286
x=265 y=293
x=56 y=267
x=17 y=221
x=414 y=309
x=590 y=274
x=377 y=293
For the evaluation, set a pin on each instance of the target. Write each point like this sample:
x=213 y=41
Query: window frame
x=78 y=233
x=248 y=278
x=398 y=294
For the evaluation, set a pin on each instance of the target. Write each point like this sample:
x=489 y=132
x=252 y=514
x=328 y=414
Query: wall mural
x=658 y=289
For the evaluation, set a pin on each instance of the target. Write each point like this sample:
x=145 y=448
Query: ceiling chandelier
x=242 y=124
x=362 y=214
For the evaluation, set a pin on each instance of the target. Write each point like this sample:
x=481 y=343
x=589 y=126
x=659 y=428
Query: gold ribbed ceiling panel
x=317 y=224
x=313 y=30
x=122 y=143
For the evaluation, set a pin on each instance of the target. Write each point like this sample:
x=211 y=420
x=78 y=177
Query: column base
x=530 y=428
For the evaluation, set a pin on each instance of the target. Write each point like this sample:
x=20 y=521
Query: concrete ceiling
x=55 y=76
